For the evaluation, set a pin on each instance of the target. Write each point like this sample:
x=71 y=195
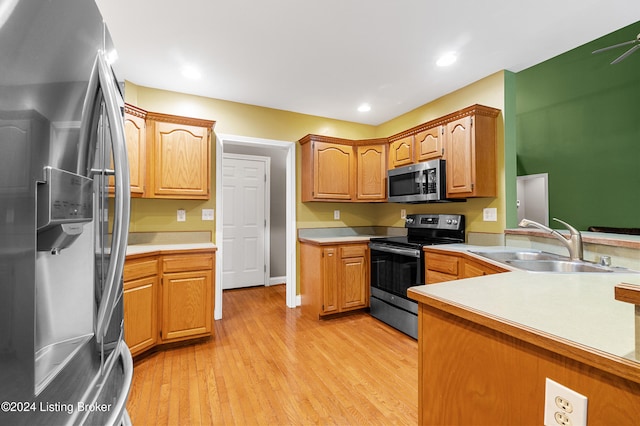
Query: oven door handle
x=395 y=250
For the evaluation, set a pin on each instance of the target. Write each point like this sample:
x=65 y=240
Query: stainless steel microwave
x=418 y=183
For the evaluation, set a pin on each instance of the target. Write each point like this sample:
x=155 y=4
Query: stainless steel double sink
x=540 y=261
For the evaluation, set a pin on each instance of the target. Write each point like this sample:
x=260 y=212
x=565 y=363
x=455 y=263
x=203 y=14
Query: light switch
x=490 y=214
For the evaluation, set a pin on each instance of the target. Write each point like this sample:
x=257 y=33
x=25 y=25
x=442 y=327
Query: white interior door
x=245 y=195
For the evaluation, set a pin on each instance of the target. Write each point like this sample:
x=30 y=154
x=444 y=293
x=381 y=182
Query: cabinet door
x=371 y=184
x=140 y=313
x=187 y=304
x=330 y=280
x=401 y=152
x=135 y=134
x=429 y=144
x=477 y=269
x=334 y=171
x=460 y=154
x=354 y=283
x=181 y=161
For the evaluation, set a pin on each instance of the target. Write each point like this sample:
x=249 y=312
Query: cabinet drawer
x=434 y=277
x=140 y=268
x=353 y=251
x=443 y=263
x=198 y=262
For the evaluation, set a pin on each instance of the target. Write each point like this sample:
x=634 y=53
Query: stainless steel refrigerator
x=63 y=238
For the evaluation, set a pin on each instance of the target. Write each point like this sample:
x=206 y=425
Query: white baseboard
x=277 y=280
x=298 y=300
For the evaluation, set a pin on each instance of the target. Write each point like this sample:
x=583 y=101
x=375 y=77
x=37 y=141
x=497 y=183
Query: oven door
x=394 y=268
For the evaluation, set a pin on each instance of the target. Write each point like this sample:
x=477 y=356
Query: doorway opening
x=283 y=155
x=532 y=199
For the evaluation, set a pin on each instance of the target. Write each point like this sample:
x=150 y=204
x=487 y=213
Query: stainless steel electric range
x=397 y=263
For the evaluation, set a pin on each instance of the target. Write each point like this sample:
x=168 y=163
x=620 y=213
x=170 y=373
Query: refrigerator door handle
x=122 y=196
x=102 y=84
x=119 y=413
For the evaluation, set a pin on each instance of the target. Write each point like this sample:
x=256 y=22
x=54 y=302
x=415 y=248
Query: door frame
x=290 y=148
x=267 y=210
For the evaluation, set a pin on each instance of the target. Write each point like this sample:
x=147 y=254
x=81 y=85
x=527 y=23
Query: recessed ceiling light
x=364 y=108
x=191 y=72
x=446 y=59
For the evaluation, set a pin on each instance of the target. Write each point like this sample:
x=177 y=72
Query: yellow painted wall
x=254 y=121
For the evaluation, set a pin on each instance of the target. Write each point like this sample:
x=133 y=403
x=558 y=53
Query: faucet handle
x=571 y=229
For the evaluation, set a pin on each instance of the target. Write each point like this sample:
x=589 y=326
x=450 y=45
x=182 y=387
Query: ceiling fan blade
x=626 y=54
x=604 y=49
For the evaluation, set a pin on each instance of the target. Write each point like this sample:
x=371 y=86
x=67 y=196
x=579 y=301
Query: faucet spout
x=573 y=243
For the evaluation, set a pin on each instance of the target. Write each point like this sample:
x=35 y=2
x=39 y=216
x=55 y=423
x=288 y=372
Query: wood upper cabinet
x=333 y=171
x=187 y=296
x=466 y=139
x=371 y=184
x=470 y=151
x=180 y=157
x=141 y=304
x=342 y=170
x=333 y=278
x=401 y=152
x=428 y=144
x=135 y=135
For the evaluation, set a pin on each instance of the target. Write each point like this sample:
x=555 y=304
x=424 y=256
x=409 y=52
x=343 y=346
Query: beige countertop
x=338 y=239
x=153 y=248
x=578 y=307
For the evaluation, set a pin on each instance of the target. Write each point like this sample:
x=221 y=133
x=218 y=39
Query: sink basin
x=558 y=266
x=541 y=261
x=504 y=256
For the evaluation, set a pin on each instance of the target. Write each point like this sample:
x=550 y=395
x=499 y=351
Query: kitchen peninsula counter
x=497 y=337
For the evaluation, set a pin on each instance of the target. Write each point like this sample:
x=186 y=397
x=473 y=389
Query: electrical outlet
x=563 y=406
x=403 y=213
x=336 y=215
x=207 y=214
x=182 y=215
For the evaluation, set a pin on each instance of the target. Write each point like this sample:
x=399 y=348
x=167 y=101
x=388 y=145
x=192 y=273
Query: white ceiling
x=326 y=57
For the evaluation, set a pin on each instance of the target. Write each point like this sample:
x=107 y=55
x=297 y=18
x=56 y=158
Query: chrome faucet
x=573 y=243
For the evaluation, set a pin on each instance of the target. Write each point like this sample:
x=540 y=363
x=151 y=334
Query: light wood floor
x=269 y=365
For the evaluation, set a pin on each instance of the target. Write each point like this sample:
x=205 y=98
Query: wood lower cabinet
x=441 y=267
x=187 y=296
x=341 y=170
x=334 y=278
x=141 y=304
x=168 y=297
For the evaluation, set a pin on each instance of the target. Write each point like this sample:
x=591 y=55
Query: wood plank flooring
x=269 y=365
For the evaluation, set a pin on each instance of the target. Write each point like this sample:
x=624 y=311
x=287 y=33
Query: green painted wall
x=578 y=119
